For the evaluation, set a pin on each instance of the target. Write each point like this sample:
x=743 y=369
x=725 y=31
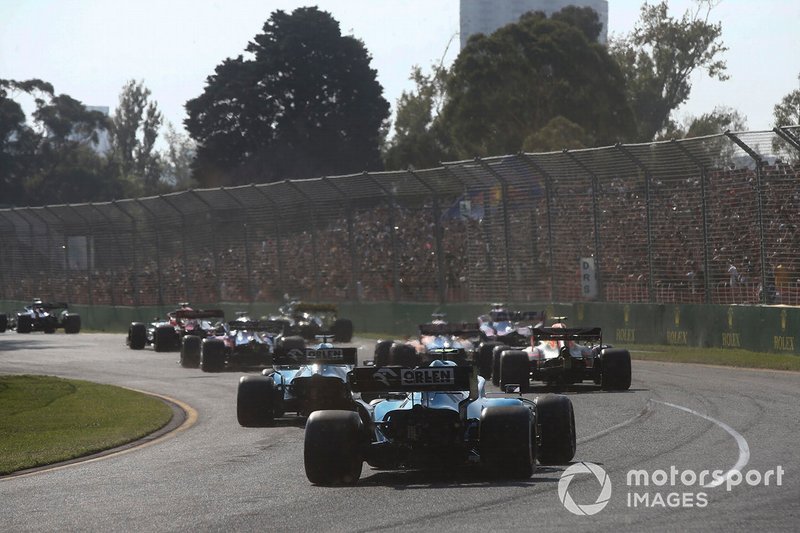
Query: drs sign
x=588 y=278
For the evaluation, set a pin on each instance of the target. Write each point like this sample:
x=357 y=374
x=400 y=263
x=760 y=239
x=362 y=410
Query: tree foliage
x=659 y=57
x=787 y=111
x=506 y=87
x=134 y=133
x=51 y=159
x=418 y=140
x=304 y=103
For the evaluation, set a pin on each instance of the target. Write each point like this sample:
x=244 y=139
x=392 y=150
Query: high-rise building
x=486 y=16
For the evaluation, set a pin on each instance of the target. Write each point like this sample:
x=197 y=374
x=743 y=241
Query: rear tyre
x=404 y=355
x=190 y=351
x=515 y=369
x=255 y=401
x=289 y=347
x=382 y=352
x=331 y=452
x=164 y=338
x=3 y=323
x=555 y=420
x=507 y=446
x=72 y=323
x=485 y=361
x=496 y=353
x=137 y=336
x=615 y=373
x=24 y=324
x=212 y=355
x=342 y=330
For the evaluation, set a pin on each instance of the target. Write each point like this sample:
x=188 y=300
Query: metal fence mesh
x=711 y=219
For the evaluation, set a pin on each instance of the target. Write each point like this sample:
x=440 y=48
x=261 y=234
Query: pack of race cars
x=422 y=402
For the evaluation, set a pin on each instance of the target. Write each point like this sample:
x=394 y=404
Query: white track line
x=744 y=449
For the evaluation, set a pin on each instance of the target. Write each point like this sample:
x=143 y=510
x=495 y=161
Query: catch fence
x=704 y=220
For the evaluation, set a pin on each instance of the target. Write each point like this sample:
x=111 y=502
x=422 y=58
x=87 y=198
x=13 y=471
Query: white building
x=486 y=16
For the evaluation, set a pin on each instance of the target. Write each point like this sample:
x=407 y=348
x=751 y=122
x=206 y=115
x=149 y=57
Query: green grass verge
x=44 y=420
x=715 y=356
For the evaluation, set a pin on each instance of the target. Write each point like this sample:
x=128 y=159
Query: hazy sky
x=89 y=49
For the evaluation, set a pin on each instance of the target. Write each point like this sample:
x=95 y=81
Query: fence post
x=158 y=250
x=186 y=284
x=759 y=209
x=276 y=229
x=648 y=218
x=548 y=189
x=393 y=236
x=704 y=208
x=134 y=247
x=90 y=252
x=247 y=266
x=314 y=250
x=354 y=271
x=506 y=221
x=65 y=247
x=116 y=241
x=215 y=248
x=596 y=219
x=437 y=235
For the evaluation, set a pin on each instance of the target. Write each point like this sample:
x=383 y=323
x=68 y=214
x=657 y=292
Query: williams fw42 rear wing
x=594 y=335
x=319 y=356
x=386 y=379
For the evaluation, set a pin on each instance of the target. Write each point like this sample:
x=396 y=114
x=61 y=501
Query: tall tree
x=178 y=158
x=506 y=87
x=720 y=120
x=134 y=132
x=787 y=111
x=659 y=57
x=418 y=141
x=304 y=103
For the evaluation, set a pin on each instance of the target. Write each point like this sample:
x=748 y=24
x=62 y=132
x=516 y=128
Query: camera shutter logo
x=602 y=498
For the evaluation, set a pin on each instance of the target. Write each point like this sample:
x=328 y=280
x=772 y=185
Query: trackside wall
x=756 y=328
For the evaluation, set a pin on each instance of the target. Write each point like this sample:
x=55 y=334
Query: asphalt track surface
x=210 y=474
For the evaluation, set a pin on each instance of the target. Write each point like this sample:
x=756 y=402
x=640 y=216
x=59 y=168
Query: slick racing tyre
x=137 y=336
x=332 y=451
x=342 y=330
x=485 y=361
x=382 y=348
x=555 y=422
x=256 y=401
x=212 y=355
x=496 y=353
x=190 y=351
x=3 y=323
x=164 y=338
x=507 y=447
x=401 y=354
x=515 y=369
x=71 y=323
x=24 y=324
x=615 y=373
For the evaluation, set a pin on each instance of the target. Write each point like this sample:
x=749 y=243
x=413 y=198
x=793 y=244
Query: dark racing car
x=42 y=316
x=167 y=334
x=308 y=320
x=438 y=416
x=240 y=344
x=300 y=381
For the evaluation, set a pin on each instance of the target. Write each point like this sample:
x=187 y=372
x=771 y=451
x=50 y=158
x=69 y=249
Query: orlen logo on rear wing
x=322 y=356
x=399 y=379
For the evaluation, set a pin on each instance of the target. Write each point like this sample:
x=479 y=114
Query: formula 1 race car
x=301 y=381
x=42 y=316
x=433 y=417
x=503 y=328
x=557 y=357
x=239 y=344
x=308 y=320
x=438 y=339
x=166 y=335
